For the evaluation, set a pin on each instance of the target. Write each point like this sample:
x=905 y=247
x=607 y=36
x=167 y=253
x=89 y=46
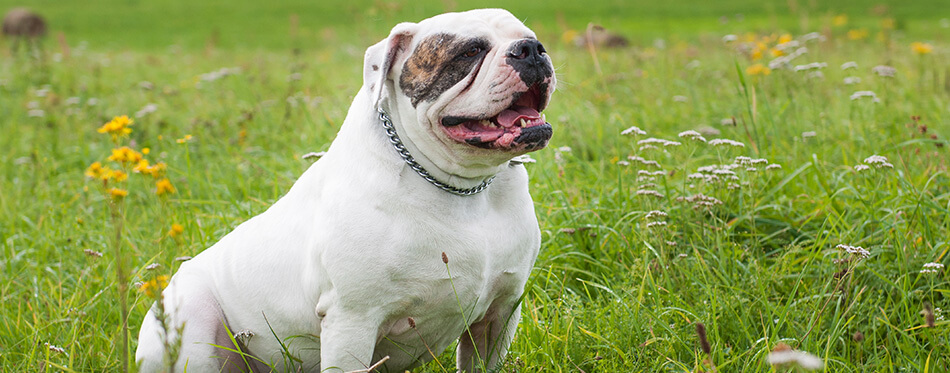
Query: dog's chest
x=487 y=259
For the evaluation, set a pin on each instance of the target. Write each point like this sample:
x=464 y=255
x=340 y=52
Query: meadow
x=776 y=171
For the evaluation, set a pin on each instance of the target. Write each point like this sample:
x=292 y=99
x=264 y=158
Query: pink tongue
x=508 y=117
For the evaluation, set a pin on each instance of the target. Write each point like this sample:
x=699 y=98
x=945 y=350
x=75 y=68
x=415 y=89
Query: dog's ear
x=380 y=58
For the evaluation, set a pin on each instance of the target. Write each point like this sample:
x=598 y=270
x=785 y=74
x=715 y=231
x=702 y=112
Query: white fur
x=337 y=266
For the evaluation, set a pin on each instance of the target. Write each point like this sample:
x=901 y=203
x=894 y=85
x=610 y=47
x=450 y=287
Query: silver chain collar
x=415 y=166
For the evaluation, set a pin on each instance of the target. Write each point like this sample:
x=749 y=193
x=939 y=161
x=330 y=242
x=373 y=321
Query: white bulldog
x=413 y=231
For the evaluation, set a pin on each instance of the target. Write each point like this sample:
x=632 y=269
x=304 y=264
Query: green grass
x=608 y=294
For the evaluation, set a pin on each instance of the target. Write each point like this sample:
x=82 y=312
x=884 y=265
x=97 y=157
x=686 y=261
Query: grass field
x=748 y=250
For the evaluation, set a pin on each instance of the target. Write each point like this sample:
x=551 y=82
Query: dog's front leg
x=346 y=342
x=486 y=342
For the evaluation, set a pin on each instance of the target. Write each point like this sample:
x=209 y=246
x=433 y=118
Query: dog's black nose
x=527 y=57
x=528 y=49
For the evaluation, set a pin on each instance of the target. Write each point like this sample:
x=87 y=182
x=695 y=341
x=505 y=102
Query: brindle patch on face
x=439 y=63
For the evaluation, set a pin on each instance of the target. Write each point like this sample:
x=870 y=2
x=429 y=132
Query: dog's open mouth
x=519 y=125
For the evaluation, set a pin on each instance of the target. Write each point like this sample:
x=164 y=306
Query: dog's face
x=469 y=87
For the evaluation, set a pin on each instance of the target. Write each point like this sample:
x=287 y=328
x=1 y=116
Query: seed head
x=445 y=258
x=703 y=341
x=857 y=337
x=928 y=313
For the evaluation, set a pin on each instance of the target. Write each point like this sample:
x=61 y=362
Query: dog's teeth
x=543 y=120
x=487 y=123
x=521 y=123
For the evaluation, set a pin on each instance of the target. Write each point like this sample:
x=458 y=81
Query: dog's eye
x=474 y=51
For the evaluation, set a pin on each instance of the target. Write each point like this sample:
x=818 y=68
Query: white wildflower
x=654 y=173
x=815 y=75
x=751 y=169
x=56 y=349
x=808 y=134
x=812 y=36
x=72 y=101
x=849 y=65
x=220 y=73
x=148 y=109
x=679 y=98
x=861 y=167
x=647 y=147
x=700 y=200
x=649 y=192
x=931 y=267
x=146 y=85
x=773 y=166
x=852 y=80
x=729 y=38
x=294 y=77
x=718 y=142
x=656 y=224
x=788 y=356
x=564 y=149
x=36 y=113
x=645 y=162
x=152 y=266
x=692 y=135
x=884 y=70
x=655 y=214
x=878 y=161
x=633 y=130
x=623 y=163
x=857 y=251
x=860 y=94
x=727 y=121
x=811 y=66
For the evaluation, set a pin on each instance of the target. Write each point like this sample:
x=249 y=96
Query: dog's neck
x=422 y=165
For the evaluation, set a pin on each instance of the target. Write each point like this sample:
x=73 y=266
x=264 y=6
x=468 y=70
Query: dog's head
x=468 y=88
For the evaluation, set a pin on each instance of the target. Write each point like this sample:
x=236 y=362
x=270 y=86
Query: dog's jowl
x=415 y=230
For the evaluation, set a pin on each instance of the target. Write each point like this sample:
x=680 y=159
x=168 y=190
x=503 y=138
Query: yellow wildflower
x=164 y=186
x=757 y=54
x=176 y=230
x=154 y=287
x=183 y=140
x=888 y=23
x=921 y=48
x=117 y=193
x=95 y=170
x=125 y=154
x=569 y=36
x=118 y=126
x=117 y=175
x=840 y=20
x=758 y=69
x=857 y=34
x=785 y=38
x=777 y=52
x=145 y=151
x=141 y=167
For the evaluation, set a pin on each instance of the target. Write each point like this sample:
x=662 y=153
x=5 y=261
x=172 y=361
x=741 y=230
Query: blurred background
x=149 y=25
